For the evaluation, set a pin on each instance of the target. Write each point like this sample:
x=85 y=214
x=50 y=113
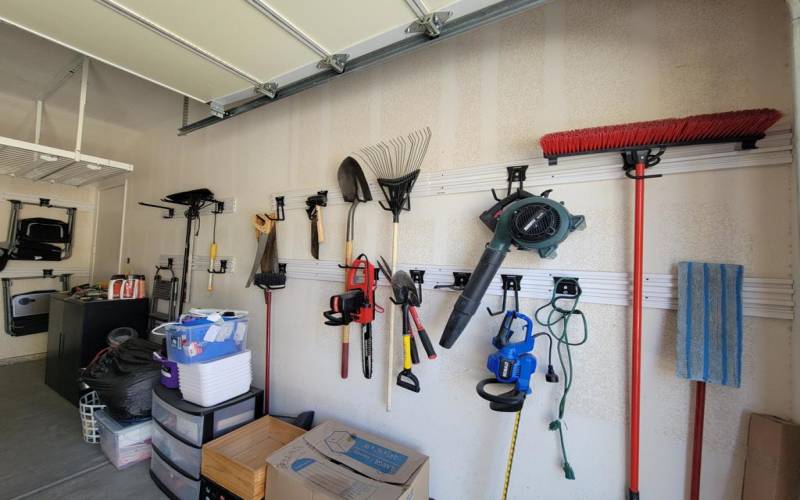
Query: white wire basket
x=88 y=405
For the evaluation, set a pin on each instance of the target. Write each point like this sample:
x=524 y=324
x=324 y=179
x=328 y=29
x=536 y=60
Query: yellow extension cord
x=511 y=455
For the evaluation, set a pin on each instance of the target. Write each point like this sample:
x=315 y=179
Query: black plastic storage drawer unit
x=181 y=428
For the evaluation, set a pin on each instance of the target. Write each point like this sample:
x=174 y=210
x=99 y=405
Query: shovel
x=355 y=190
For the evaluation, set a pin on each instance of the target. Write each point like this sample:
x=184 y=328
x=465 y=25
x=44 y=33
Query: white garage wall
x=488 y=96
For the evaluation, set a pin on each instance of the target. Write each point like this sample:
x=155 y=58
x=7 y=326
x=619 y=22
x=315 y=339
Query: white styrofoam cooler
x=212 y=382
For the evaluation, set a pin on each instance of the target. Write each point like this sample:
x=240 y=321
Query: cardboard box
x=334 y=461
x=772 y=467
x=237 y=460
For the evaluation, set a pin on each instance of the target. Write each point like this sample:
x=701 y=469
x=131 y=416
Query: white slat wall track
x=774 y=149
x=762 y=297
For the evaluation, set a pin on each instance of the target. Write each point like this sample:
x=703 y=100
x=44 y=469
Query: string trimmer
x=642 y=145
x=357 y=304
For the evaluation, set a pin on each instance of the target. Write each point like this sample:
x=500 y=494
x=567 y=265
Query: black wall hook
x=318 y=200
x=511 y=282
x=460 y=281
x=170 y=211
x=279 y=210
x=515 y=174
x=223 y=268
x=630 y=157
x=418 y=277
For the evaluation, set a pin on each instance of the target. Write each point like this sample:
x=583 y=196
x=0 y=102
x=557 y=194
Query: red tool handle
x=423 y=335
x=697 y=447
x=636 y=341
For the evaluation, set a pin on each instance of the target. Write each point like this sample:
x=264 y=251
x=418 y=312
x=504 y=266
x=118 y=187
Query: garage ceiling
x=234 y=51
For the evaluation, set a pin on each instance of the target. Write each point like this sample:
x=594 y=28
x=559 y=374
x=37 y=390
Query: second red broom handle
x=636 y=341
x=268 y=303
x=697 y=447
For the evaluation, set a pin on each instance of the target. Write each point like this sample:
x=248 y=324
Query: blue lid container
x=200 y=338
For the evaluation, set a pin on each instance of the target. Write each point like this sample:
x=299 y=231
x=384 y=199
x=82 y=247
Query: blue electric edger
x=513 y=364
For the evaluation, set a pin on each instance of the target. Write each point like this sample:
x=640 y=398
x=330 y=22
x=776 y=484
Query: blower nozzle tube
x=470 y=298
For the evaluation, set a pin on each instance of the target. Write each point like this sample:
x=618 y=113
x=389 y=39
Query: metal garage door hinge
x=431 y=23
x=335 y=62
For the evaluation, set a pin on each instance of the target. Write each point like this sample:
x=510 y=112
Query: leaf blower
x=530 y=223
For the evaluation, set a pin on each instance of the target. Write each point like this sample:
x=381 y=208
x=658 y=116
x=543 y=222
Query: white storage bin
x=124 y=445
x=178 y=485
x=188 y=427
x=184 y=457
x=212 y=382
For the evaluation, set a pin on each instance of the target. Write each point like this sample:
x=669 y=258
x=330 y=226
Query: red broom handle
x=636 y=341
x=268 y=303
x=697 y=448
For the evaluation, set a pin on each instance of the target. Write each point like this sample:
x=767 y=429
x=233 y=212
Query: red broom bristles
x=672 y=131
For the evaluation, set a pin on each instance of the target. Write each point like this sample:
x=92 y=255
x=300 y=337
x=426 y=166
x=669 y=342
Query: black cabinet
x=77 y=331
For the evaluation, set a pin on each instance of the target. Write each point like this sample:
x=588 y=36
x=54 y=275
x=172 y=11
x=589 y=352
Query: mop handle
x=697 y=445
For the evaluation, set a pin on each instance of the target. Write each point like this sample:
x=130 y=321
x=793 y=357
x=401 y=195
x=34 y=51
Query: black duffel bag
x=43 y=230
x=124 y=378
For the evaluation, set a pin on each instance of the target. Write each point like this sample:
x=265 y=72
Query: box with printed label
x=334 y=461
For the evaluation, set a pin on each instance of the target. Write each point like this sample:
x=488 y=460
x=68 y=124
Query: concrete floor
x=42 y=453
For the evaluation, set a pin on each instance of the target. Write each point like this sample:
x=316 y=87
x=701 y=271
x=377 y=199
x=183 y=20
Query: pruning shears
x=407 y=297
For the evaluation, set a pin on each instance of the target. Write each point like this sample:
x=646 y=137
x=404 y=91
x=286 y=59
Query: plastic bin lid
x=173 y=398
x=112 y=425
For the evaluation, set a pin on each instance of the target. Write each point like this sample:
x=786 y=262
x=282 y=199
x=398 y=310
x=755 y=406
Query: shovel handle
x=345 y=368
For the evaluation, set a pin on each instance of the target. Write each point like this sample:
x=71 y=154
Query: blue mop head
x=709 y=343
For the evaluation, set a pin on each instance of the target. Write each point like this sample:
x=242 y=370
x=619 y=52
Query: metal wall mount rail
x=774 y=149
x=762 y=297
x=452 y=28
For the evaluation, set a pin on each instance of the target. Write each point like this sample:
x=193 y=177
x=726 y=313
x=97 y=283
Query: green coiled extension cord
x=561 y=316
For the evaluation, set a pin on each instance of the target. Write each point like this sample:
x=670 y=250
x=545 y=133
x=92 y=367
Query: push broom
x=642 y=144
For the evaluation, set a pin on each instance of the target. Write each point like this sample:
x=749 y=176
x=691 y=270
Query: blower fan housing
x=539 y=223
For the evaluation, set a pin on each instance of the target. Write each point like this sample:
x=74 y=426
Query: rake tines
x=397 y=157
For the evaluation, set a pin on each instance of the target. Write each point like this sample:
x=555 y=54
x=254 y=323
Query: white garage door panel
x=338 y=25
x=106 y=35
x=231 y=30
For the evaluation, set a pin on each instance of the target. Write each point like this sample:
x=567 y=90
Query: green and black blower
x=525 y=220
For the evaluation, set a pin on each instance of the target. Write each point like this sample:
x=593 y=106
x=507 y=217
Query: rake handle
x=390 y=361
